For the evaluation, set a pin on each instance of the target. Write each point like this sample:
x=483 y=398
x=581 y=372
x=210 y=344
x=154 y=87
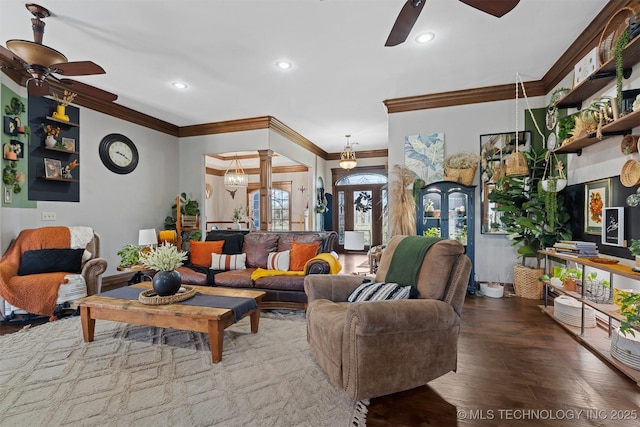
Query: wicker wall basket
x=612 y=31
x=630 y=173
x=463 y=176
x=526 y=283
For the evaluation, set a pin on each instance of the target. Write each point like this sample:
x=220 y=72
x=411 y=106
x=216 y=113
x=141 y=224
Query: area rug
x=144 y=376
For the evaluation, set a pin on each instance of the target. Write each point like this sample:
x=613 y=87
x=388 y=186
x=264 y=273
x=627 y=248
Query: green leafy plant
x=431 y=232
x=621 y=43
x=12 y=178
x=630 y=308
x=165 y=257
x=15 y=107
x=523 y=211
x=129 y=255
x=237 y=214
x=634 y=247
x=188 y=206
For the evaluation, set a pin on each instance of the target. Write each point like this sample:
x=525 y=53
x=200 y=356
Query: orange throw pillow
x=201 y=252
x=301 y=253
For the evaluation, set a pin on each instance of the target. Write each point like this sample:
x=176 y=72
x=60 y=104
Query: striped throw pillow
x=379 y=291
x=278 y=261
x=228 y=262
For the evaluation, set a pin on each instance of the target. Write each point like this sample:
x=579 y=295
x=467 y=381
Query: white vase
x=50 y=141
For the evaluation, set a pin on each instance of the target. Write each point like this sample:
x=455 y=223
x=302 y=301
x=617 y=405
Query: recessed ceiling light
x=179 y=85
x=425 y=37
x=284 y=65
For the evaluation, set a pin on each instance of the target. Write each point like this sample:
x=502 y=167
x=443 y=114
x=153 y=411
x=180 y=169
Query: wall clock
x=118 y=153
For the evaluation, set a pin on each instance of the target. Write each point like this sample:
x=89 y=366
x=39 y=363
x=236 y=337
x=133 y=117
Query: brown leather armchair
x=374 y=348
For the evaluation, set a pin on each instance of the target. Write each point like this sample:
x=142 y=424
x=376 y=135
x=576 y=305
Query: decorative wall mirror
x=495 y=149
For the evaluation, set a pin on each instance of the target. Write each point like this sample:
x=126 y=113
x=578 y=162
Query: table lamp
x=147 y=238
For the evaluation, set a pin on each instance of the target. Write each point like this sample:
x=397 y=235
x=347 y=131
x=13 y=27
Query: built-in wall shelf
x=622 y=126
x=62 y=121
x=48 y=178
x=601 y=77
x=60 y=150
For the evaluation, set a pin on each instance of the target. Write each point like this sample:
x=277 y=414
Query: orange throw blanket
x=35 y=293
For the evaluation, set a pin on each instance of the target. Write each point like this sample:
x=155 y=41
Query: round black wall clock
x=118 y=153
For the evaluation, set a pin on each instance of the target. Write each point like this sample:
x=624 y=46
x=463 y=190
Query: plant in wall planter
x=12 y=178
x=551 y=184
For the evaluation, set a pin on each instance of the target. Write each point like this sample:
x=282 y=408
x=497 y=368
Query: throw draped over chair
x=375 y=348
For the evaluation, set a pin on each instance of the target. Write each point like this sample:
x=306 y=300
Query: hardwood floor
x=516 y=367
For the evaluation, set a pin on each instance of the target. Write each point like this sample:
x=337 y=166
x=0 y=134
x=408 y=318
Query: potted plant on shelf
x=625 y=344
x=237 y=215
x=189 y=211
x=164 y=260
x=129 y=255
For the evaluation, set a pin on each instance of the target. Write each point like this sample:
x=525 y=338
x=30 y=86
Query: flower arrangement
x=165 y=257
x=66 y=171
x=464 y=160
x=67 y=98
x=237 y=214
x=51 y=130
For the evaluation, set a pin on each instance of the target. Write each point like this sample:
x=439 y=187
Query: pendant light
x=235 y=177
x=348 y=156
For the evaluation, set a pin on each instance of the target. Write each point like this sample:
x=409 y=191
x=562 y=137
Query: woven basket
x=463 y=176
x=517 y=165
x=612 y=31
x=149 y=297
x=629 y=144
x=526 y=283
x=630 y=174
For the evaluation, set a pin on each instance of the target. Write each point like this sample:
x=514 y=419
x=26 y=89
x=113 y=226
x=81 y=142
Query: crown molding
x=256 y=171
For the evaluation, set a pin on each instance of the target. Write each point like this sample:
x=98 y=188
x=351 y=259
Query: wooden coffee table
x=177 y=316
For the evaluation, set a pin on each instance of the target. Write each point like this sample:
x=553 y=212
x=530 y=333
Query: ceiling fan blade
x=88 y=90
x=404 y=22
x=37 y=87
x=78 y=68
x=497 y=8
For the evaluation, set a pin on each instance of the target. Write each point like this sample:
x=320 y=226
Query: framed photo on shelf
x=69 y=144
x=613 y=226
x=596 y=199
x=52 y=168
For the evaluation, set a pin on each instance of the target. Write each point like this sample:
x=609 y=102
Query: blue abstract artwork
x=424 y=155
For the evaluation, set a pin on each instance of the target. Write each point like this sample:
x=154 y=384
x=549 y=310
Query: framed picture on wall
x=596 y=199
x=613 y=226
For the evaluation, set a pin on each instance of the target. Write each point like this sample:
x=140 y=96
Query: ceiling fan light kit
x=41 y=62
x=411 y=11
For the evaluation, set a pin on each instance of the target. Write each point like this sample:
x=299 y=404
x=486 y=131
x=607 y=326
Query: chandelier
x=348 y=156
x=235 y=177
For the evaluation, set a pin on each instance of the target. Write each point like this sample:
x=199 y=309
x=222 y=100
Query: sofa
x=45 y=267
x=376 y=346
x=283 y=289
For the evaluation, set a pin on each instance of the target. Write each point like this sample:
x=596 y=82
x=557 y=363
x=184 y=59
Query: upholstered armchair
x=374 y=348
x=56 y=254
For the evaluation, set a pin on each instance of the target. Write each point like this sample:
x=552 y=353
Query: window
x=280 y=206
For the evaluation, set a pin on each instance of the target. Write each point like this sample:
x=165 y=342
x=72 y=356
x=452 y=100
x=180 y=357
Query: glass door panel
x=458 y=217
x=362 y=218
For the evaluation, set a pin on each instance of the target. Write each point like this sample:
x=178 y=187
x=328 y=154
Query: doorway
x=360 y=204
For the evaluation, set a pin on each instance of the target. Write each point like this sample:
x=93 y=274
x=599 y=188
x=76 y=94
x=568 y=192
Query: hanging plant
x=363 y=202
x=621 y=43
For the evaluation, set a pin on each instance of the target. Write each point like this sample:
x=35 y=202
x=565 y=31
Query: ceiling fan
x=412 y=8
x=42 y=62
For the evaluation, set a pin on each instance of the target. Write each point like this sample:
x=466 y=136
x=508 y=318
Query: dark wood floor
x=516 y=367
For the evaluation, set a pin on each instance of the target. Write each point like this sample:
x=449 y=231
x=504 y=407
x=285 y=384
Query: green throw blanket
x=404 y=268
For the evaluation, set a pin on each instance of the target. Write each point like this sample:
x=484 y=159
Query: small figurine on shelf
x=52 y=133
x=66 y=171
x=67 y=98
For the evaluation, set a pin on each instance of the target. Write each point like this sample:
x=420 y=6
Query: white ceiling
x=225 y=50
